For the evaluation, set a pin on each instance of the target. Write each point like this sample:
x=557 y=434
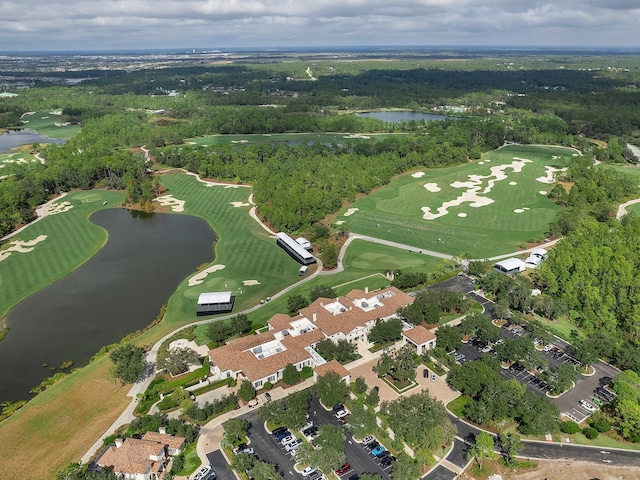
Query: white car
x=548 y=347
x=588 y=406
x=341 y=414
x=309 y=424
x=204 y=473
x=368 y=440
x=308 y=471
x=286 y=440
x=292 y=445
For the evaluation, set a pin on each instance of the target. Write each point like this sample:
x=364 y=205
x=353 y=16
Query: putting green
x=484 y=208
x=71 y=239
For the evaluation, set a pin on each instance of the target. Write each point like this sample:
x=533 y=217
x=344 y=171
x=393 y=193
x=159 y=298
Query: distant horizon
x=221 y=50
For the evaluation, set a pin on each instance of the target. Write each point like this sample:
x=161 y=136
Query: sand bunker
x=21 y=246
x=480 y=163
x=55 y=208
x=551 y=177
x=171 y=202
x=521 y=210
x=339 y=222
x=240 y=204
x=357 y=135
x=350 y=212
x=417 y=174
x=432 y=187
x=249 y=283
x=227 y=186
x=462 y=214
x=199 y=277
x=542 y=192
x=475 y=189
x=513 y=183
x=16 y=161
x=239 y=141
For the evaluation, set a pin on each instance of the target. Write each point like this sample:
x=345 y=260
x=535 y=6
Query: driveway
x=220 y=466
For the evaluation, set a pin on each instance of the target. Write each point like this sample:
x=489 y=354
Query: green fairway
x=291 y=138
x=484 y=208
x=246 y=250
x=45 y=124
x=71 y=239
x=365 y=265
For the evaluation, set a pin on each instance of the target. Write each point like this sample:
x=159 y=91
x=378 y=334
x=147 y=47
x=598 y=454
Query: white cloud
x=84 y=24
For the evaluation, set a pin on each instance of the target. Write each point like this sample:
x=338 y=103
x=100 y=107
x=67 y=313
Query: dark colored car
x=282 y=435
x=279 y=430
x=425 y=374
x=343 y=469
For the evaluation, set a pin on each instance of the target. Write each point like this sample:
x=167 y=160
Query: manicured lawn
x=457 y=405
x=291 y=138
x=45 y=124
x=519 y=211
x=71 y=240
x=245 y=249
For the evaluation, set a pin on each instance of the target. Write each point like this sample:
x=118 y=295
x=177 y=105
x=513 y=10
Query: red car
x=343 y=469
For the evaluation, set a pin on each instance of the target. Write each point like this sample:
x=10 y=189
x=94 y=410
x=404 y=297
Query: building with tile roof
x=141 y=459
x=421 y=338
x=262 y=358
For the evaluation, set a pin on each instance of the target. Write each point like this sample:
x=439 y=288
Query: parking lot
x=589 y=388
x=269 y=449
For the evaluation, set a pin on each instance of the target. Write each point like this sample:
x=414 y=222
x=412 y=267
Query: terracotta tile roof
x=280 y=321
x=332 y=366
x=171 y=441
x=419 y=335
x=237 y=356
x=133 y=456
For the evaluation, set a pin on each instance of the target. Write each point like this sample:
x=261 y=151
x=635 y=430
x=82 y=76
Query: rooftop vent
x=342 y=310
x=285 y=333
x=260 y=356
x=257 y=350
x=364 y=305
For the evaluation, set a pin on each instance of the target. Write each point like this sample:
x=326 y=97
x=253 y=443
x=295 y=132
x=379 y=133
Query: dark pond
x=118 y=291
x=15 y=138
x=402 y=116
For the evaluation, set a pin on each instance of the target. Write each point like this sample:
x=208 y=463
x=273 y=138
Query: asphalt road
x=220 y=466
x=441 y=473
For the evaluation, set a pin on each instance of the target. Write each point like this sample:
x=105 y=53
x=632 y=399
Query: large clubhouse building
x=262 y=358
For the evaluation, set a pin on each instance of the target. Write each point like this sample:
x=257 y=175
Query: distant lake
x=15 y=138
x=118 y=291
x=402 y=116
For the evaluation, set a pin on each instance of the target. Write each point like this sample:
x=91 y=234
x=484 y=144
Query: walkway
x=622 y=208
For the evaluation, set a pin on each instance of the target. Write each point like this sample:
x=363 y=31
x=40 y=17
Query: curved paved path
x=622 y=208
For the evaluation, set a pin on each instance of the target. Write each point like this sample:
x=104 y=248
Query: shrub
x=569 y=427
x=591 y=433
x=267 y=386
x=306 y=372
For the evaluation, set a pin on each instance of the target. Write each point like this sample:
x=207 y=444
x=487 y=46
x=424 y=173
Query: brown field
x=59 y=425
x=562 y=469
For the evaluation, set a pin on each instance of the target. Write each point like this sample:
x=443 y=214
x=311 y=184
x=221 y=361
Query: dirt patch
x=563 y=469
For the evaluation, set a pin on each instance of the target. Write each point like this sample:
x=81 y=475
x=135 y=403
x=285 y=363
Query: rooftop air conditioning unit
x=285 y=333
x=364 y=305
x=260 y=356
x=257 y=350
x=342 y=310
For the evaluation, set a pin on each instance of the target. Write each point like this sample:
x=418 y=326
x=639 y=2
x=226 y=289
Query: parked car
x=548 y=347
x=425 y=373
x=292 y=445
x=343 y=469
x=287 y=439
x=308 y=471
x=282 y=435
x=372 y=445
x=588 y=406
x=341 y=414
x=243 y=448
x=368 y=440
x=433 y=377
x=309 y=424
x=338 y=406
x=379 y=450
x=278 y=430
x=267 y=395
x=205 y=473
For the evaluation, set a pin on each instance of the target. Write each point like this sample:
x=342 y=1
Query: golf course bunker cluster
x=474 y=194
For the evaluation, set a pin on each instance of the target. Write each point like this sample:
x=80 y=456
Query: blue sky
x=223 y=24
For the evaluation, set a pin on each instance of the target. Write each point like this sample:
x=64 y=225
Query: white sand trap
x=227 y=186
x=2 y=177
x=171 y=202
x=542 y=192
x=555 y=157
x=480 y=163
x=55 y=208
x=487 y=160
x=513 y=183
x=199 y=277
x=249 y=283
x=432 y=187
x=44 y=118
x=417 y=175
x=462 y=214
x=474 y=189
x=574 y=155
x=21 y=246
x=239 y=141
x=2 y=166
x=192 y=143
x=56 y=112
x=357 y=135
x=551 y=174
x=339 y=222
x=18 y=161
x=240 y=204
x=64 y=124
x=350 y=212
x=519 y=210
